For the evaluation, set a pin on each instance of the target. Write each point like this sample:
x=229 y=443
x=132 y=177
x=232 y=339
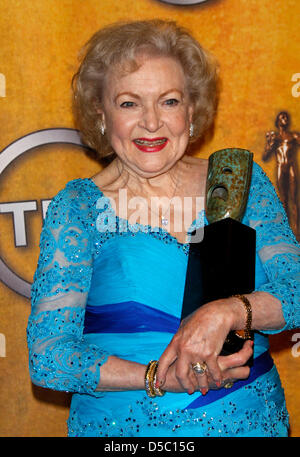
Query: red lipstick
x=150 y=144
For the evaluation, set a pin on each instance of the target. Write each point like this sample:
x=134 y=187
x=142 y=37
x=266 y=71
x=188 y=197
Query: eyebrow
x=131 y=94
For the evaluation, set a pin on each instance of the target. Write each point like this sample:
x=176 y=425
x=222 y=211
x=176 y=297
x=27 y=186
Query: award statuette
x=223 y=263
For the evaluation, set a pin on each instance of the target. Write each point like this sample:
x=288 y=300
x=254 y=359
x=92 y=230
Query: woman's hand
x=232 y=369
x=200 y=338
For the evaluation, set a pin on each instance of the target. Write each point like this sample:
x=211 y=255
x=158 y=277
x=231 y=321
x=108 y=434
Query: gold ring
x=199 y=368
x=228 y=385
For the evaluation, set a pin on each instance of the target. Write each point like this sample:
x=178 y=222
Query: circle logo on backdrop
x=7 y=156
x=184 y=2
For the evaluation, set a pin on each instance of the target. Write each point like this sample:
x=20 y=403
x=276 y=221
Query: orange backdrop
x=257 y=45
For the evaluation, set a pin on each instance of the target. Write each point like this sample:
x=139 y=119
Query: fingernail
x=218 y=384
x=252 y=343
x=190 y=391
x=204 y=391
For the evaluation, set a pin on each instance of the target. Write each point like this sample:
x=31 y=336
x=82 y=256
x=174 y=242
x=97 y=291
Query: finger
x=237 y=373
x=185 y=374
x=167 y=358
x=214 y=370
x=201 y=378
x=202 y=381
x=237 y=359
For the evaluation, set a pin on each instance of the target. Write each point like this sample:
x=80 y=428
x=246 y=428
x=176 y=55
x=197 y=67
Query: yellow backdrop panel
x=257 y=45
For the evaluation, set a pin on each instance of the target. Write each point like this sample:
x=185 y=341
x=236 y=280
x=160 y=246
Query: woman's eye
x=127 y=104
x=171 y=102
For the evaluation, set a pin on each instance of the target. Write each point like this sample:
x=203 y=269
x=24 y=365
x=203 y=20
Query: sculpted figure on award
x=284 y=144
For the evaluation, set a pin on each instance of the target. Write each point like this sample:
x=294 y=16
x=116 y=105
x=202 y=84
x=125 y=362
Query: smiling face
x=147 y=114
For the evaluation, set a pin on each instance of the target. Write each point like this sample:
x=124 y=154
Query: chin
x=154 y=167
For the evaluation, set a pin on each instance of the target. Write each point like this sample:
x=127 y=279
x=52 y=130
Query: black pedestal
x=221 y=265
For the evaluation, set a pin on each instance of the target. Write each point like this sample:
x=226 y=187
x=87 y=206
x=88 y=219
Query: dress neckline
x=148 y=228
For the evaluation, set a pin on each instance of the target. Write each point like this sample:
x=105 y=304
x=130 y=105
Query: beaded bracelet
x=150 y=380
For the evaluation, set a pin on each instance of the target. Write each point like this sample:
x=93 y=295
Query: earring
x=102 y=128
x=191 y=130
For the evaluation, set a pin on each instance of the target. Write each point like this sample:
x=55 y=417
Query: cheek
x=179 y=124
x=120 y=129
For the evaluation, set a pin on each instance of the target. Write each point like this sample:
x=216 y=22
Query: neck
x=160 y=184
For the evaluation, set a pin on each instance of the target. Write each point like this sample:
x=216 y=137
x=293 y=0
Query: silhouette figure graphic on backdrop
x=284 y=144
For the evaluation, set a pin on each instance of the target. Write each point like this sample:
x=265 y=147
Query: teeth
x=151 y=143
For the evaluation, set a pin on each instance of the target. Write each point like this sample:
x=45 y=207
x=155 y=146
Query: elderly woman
x=108 y=289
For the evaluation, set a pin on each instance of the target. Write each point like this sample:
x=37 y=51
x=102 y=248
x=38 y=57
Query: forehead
x=154 y=74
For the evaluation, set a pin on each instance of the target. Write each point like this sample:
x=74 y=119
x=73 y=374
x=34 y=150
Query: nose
x=151 y=120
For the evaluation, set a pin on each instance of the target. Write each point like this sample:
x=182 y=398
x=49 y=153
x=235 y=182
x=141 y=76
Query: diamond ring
x=199 y=368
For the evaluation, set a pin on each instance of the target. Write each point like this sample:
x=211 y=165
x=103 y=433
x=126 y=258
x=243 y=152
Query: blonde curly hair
x=118 y=45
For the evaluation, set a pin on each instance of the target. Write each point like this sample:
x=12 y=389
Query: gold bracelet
x=159 y=392
x=246 y=333
x=150 y=379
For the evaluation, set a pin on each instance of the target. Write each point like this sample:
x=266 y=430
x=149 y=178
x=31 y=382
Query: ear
x=97 y=106
x=100 y=112
x=191 y=112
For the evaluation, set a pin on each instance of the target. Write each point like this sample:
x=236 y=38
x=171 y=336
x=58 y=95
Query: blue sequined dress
x=104 y=287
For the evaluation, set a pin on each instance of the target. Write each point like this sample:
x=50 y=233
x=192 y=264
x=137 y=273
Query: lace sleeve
x=277 y=248
x=59 y=358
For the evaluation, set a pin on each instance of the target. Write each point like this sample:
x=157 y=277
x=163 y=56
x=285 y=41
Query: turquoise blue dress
x=104 y=287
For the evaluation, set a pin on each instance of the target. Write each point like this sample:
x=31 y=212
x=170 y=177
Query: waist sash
x=135 y=317
x=128 y=317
